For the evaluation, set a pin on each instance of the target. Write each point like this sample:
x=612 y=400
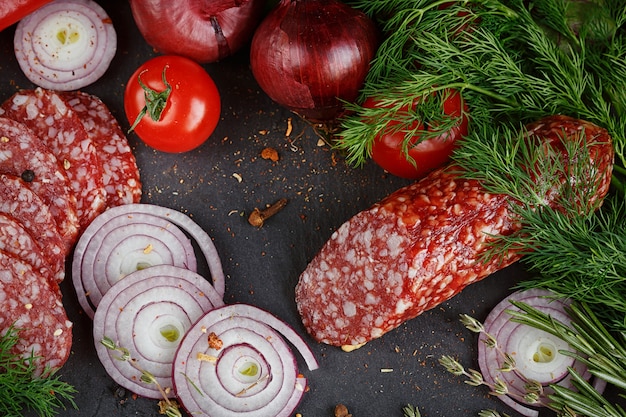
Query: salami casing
x=54 y=121
x=419 y=247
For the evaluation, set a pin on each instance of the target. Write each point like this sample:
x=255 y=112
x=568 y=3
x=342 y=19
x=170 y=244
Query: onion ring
x=148 y=313
x=66 y=44
x=250 y=372
x=536 y=352
x=135 y=236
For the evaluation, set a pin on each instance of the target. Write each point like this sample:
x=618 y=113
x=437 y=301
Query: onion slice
x=148 y=313
x=536 y=353
x=234 y=362
x=66 y=44
x=135 y=236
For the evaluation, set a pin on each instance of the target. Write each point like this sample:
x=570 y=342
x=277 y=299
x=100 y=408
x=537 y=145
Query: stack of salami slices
x=63 y=160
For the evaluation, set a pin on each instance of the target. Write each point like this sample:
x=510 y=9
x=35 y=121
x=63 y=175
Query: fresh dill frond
x=21 y=389
x=504 y=59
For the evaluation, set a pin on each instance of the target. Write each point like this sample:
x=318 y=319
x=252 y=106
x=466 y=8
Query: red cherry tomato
x=181 y=121
x=424 y=155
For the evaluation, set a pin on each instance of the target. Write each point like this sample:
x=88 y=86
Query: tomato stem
x=155 y=100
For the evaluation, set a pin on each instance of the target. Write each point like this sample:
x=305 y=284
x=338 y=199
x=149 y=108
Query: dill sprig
x=499 y=55
x=22 y=389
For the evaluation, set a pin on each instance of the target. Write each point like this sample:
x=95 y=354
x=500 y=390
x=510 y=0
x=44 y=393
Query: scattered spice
x=258 y=217
x=289 y=127
x=269 y=153
x=342 y=411
x=214 y=341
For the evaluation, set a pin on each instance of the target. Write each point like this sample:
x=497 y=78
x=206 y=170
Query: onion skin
x=202 y=30
x=308 y=55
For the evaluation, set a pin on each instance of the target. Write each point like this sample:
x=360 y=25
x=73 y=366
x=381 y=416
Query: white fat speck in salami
x=54 y=121
x=21 y=203
x=120 y=171
x=422 y=245
x=23 y=154
x=32 y=303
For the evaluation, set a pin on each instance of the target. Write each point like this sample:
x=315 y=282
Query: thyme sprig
x=22 y=389
x=166 y=406
x=533 y=389
x=603 y=352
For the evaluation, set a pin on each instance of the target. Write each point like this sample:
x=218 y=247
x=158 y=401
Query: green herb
x=411 y=411
x=603 y=352
x=21 y=389
x=507 y=65
x=166 y=406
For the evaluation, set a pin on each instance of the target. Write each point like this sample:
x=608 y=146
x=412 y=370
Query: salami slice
x=418 y=247
x=23 y=153
x=32 y=304
x=16 y=240
x=49 y=116
x=26 y=207
x=120 y=171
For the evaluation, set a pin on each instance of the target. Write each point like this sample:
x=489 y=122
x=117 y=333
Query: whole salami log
x=54 y=121
x=32 y=304
x=422 y=245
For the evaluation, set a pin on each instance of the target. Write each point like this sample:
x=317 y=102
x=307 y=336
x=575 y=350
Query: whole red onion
x=308 y=55
x=203 y=30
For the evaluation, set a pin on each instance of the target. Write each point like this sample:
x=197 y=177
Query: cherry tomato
x=424 y=155
x=180 y=102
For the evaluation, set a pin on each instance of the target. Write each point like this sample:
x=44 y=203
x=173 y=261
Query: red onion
x=536 y=352
x=202 y=30
x=12 y=11
x=234 y=362
x=148 y=313
x=136 y=236
x=308 y=55
x=65 y=45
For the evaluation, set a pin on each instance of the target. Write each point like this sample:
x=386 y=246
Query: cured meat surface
x=26 y=207
x=120 y=171
x=54 y=121
x=32 y=304
x=23 y=153
x=419 y=247
x=17 y=241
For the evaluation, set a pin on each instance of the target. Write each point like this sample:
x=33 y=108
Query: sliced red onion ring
x=148 y=313
x=536 y=352
x=66 y=44
x=135 y=236
x=252 y=373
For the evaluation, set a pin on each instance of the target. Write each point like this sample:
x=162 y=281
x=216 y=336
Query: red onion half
x=66 y=44
x=536 y=352
x=205 y=31
x=148 y=313
x=131 y=237
x=308 y=55
x=234 y=362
